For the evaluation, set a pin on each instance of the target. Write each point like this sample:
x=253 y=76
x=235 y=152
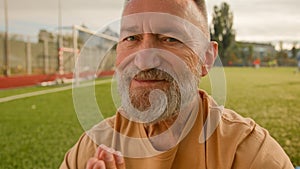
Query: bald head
x=193 y=11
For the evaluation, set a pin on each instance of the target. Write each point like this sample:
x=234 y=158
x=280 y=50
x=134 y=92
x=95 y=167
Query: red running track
x=31 y=80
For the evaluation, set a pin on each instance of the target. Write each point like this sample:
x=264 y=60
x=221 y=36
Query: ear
x=210 y=57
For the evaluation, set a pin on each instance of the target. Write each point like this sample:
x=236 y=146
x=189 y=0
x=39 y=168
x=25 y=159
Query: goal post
x=88 y=53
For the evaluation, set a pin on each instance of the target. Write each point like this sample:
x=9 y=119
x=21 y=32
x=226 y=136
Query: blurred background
x=32 y=32
x=41 y=40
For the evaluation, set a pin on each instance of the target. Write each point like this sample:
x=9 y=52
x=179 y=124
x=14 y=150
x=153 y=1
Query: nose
x=147 y=59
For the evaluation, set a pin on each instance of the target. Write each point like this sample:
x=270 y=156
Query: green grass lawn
x=272 y=98
x=16 y=91
x=36 y=132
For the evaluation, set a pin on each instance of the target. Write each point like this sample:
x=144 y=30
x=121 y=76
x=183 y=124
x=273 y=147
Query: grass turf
x=36 y=132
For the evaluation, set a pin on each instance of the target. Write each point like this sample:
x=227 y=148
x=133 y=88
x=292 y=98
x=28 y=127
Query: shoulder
x=231 y=125
x=230 y=120
x=245 y=143
x=255 y=147
x=87 y=144
x=78 y=155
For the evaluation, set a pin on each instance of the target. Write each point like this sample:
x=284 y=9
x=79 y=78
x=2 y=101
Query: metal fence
x=27 y=57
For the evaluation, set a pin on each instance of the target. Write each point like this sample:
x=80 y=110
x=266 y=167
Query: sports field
x=36 y=131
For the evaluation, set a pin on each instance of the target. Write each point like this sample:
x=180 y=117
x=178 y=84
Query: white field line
x=42 y=92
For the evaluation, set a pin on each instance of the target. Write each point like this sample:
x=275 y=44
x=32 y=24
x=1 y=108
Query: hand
x=106 y=158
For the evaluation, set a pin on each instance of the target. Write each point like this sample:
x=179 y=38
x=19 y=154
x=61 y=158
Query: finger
x=99 y=165
x=91 y=162
x=102 y=149
x=120 y=162
x=98 y=152
x=109 y=160
x=112 y=159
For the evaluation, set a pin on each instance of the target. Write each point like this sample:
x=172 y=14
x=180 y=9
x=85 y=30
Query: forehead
x=185 y=9
x=180 y=8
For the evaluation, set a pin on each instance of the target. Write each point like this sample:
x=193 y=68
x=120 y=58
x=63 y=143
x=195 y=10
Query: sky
x=254 y=20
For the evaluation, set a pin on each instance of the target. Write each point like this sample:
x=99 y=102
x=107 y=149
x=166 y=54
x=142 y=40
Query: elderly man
x=165 y=122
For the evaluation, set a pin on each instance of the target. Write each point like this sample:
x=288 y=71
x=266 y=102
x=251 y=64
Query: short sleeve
x=78 y=155
x=260 y=150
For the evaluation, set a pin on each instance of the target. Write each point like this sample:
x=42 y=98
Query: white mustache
x=153 y=74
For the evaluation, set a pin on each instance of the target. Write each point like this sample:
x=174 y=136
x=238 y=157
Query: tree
x=45 y=35
x=294 y=52
x=222 y=31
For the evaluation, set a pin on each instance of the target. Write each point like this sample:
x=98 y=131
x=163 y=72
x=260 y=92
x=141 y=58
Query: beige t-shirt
x=237 y=143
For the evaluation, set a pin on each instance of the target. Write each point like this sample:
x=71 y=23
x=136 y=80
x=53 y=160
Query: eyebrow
x=162 y=30
x=177 y=33
x=169 y=31
x=180 y=34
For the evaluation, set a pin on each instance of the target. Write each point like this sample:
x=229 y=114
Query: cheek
x=191 y=59
x=119 y=59
x=122 y=53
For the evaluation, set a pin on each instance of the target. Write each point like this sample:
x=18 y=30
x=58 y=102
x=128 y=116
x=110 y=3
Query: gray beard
x=137 y=101
x=139 y=97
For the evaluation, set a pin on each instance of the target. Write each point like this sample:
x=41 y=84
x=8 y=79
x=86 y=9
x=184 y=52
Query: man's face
x=151 y=44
